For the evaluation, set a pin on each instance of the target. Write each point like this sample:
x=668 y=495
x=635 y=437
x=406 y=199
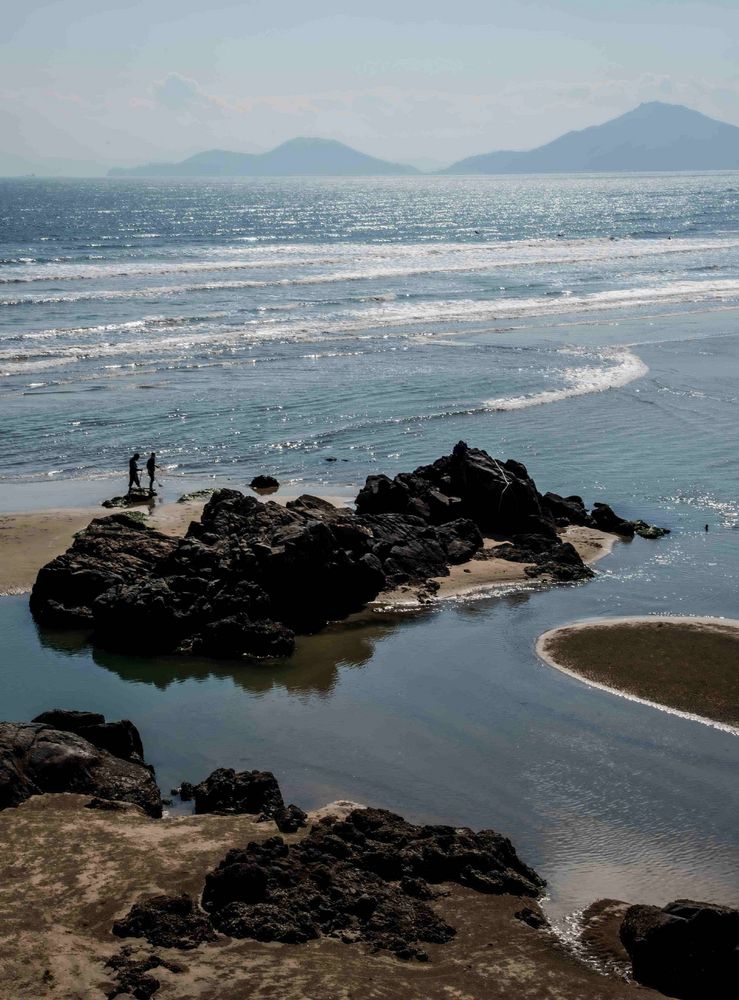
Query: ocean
x=323 y=330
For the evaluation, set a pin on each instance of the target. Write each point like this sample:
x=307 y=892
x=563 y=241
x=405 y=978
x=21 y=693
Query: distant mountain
x=298 y=157
x=654 y=136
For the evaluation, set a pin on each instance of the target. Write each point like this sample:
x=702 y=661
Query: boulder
x=35 y=758
x=290 y=819
x=686 y=949
x=264 y=483
x=122 y=738
x=227 y=791
x=604 y=518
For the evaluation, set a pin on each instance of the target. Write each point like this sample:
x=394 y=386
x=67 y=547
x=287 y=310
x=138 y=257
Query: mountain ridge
x=301 y=156
x=654 y=136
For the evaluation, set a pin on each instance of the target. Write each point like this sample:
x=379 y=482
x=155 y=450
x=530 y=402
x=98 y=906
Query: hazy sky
x=86 y=84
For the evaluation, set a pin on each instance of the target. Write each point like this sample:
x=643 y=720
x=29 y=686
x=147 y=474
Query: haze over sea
x=585 y=325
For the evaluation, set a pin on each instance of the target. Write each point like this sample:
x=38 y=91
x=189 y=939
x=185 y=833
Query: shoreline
x=547 y=638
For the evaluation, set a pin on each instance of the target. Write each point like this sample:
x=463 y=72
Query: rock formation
x=35 y=758
x=249 y=575
x=367 y=877
x=686 y=949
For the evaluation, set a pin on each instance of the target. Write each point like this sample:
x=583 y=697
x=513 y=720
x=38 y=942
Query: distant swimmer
x=133 y=473
x=706 y=528
x=151 y=467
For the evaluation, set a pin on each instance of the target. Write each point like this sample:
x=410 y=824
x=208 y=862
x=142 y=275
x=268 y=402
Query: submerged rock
x=686 y=949
x=36 y=758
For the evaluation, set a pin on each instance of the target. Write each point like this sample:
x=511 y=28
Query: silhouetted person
x=133 y=473
x=151 y=466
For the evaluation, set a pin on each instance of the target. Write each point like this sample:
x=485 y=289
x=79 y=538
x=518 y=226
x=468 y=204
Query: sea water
x=588 y=326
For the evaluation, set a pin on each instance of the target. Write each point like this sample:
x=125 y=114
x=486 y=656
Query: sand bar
x=687 y=666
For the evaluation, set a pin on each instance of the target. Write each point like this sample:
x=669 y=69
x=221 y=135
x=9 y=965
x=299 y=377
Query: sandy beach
x=681 y=664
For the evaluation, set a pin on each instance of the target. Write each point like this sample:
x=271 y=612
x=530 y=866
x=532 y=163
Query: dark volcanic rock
x=264 y=483
x=250 y=575
x=121 y=738
x=132 y=974
x=110 y=551
x=290 y=818
x=605 y=519
x=229 y=791
x=34 y=758
x=686 y=949
x=166 y=922
x=363 y=878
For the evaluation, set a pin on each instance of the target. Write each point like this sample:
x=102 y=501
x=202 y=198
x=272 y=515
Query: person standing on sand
x=151 y=466
x=133 y=473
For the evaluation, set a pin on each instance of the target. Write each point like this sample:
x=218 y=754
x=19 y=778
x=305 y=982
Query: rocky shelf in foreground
x=250 y=575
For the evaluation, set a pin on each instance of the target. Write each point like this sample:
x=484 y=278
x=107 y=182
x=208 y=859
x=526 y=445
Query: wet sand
x=687 y=665
x=80 y=870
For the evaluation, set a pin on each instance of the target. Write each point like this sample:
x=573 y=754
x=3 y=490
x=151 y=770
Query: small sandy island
x=30 y=540
x=686 y=665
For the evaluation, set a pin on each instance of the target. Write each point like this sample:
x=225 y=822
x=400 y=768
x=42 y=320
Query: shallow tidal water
x=266 y=327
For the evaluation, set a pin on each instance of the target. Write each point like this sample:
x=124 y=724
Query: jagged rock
x=686 y=949
x=250 y=575
x=166 y=922
x=121 y=738
x=362 y=878
x=605 y=519
x=35 y=758
x=566 y=510
x=132 y=974
x=645 y=530
x=290 y=819
x=135 y=499
x=110 y=551
x=229 y=791
x=264 y=483
x=534 y=918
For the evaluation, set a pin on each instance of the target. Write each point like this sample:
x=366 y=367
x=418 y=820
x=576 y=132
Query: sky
x=90 y=84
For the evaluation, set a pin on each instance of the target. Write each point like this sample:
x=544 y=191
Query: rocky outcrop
x=226 y=791
x=36 y=758
x=112 y=551
x=133 y=973
x=686 y=949
x=368 y=877
x=250 y=575
x=121 y=738
x=167 y=922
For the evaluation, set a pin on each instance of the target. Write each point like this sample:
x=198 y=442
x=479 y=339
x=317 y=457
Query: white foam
x=623 y=367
